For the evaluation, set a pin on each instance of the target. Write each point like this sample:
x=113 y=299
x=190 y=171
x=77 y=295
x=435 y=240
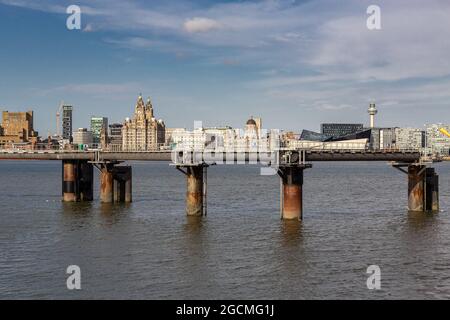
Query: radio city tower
x=372 y=112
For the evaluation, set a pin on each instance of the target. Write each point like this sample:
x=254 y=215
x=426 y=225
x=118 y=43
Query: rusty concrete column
x=106 y=185
x=431 y=190
x=292 y=193
x=70 y=182
x=194 y=194
x=128 y=186
x=416 y=184
x=86 y=181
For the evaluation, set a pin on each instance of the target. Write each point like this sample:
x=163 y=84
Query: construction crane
x=58 y=115
x=445 y=132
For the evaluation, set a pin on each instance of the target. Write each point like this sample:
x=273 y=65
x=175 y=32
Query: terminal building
x=340 y=129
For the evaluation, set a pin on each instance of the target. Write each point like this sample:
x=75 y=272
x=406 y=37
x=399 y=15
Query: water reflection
x=111 y=213
x=422 y=221
x=291 y=232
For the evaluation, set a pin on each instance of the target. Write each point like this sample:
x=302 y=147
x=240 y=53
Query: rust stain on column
x=416 y=192
x=106 y=186
x=69 y=181
x=292 y=200
x=292 y=203
x=194 y=194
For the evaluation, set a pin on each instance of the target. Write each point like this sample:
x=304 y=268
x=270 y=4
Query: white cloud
x=198 y=24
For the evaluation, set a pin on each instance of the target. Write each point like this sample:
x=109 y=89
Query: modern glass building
x=97 y=123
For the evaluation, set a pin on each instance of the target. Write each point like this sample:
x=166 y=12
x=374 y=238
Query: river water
x=355 y=215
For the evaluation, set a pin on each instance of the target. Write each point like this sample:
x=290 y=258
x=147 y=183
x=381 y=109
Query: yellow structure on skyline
x=442 y=130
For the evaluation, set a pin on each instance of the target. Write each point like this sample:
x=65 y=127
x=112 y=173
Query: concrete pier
x=416 y=177
x=195 y=188
x=292 y=192
x=77 y=181
x=423 y=189
x=115 y=183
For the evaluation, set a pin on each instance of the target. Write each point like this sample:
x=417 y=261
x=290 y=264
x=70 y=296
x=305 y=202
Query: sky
x=296 y=64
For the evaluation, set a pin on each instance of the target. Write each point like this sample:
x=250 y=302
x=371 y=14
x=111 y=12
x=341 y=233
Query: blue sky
x=294 y=63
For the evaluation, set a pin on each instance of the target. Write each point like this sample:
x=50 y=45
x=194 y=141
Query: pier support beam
x=196 y=189
x=77 y=181
x=292 y=191
x=106 y=184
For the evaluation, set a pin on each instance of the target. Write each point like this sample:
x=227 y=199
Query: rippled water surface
x=355 y=215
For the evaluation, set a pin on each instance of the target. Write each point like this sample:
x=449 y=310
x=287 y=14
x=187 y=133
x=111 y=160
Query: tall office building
x=67 y=123
x=143 y=132
x=97 y=123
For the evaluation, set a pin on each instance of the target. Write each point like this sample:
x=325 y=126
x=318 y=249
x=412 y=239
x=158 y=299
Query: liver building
x=143 y=132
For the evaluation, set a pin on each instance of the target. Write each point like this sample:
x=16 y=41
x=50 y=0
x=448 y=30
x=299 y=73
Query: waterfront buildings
x=339 y=129
x=17 y=129
x=437 y=143
x=224 y=139
x=409 y=138
x=97 y=124
x=83 y=137
x=115 y=137
x=143 y=132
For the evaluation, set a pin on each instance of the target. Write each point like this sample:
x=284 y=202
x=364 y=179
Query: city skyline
x=219 y=62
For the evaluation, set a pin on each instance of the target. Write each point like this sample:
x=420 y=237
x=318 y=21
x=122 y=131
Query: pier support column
x=416 y=188
x=196 y=188
x=292 y=193
x=194 y=194
x=423 y=187
x=106 y=184
x=122 y=176
x=77 y=181
x=69 y=181
x=129 y=186
x=86 y=181
x=431 y=190
x=115 y=182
